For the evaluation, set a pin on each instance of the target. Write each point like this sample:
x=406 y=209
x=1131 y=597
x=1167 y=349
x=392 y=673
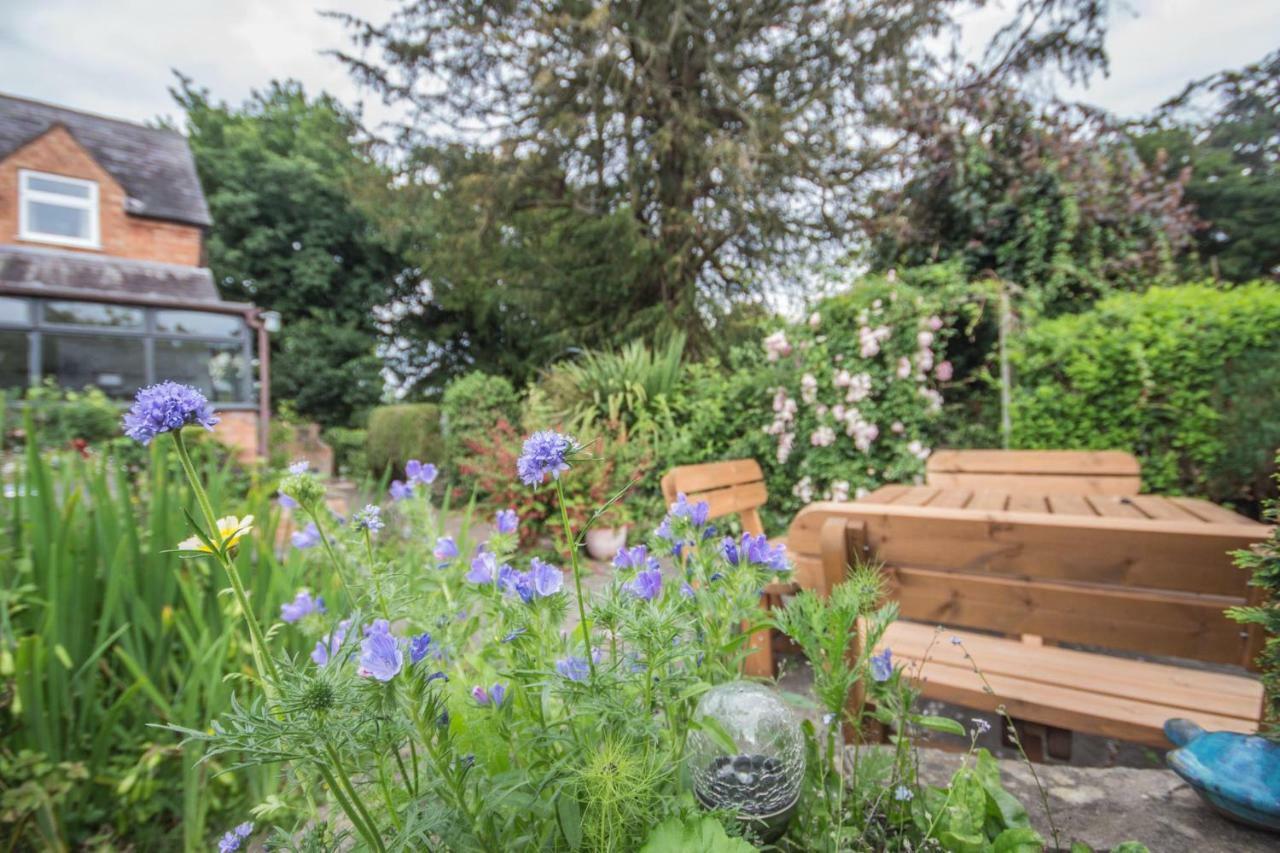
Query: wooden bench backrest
x=736 y=486
x=1090 y=472
x=1157 y=588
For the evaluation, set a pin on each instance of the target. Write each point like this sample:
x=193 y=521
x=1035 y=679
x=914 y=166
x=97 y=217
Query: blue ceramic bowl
x=1239 y=775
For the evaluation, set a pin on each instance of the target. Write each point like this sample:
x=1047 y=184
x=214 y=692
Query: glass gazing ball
x=762 y=775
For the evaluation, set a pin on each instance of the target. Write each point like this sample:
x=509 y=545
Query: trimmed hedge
x=399 y=433
x=1187 y=378
x=471 y=405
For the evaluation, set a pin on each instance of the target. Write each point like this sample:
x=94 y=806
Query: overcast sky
x=114 y=56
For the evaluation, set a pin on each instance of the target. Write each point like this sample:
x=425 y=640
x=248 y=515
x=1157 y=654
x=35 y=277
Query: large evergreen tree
x=282 y=173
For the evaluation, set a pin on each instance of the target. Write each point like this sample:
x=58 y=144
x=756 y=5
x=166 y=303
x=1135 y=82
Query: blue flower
x=516 y=582
x=232 y=841
x=446 y=549
x=664 y=529
x=484 y=568
x=730 y=550
x=507 y=521
x=980 y=726
x=696 y=513
x=418 y=647
x=547 y=579
x=543 y=455
x=902 y=794
x=882 y=665
x=645 y=585
x=380 y=654
x=369 y=518
x=328 y=646
x=285 y=501
x=166 y=407
x=307 y=537
x=573 y=668
x=634 y=558
x=759 y=552
x=417 y=472
x=303 y=605
x=400 y=490
x=300 y=466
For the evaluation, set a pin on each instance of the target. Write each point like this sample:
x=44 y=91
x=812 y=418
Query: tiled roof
x=53 y=272
x=154 y=166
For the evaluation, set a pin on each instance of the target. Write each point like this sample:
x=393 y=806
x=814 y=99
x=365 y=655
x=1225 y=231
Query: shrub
x=1263 y=562
x=472 y=404
x=64 y=415
x=349 y=457
x=1184 y=377
x=624 y=385
x=399 y=433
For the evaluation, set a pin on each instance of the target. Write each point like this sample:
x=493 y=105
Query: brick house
x=102 y=282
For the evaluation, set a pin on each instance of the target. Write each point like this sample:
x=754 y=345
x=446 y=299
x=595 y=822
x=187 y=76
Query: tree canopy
x=281 y=174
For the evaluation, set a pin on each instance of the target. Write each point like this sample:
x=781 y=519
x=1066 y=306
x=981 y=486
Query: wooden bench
x=1102 y=472
x=1149 y=576
x=734 y=487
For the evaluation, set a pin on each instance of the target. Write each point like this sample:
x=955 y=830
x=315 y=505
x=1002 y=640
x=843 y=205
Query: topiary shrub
x=402 y=432
x=349 y=457
x=471 y=405
x=1186 y=378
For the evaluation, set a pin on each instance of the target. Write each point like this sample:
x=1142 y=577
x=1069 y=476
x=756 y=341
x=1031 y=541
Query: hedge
x=399 y=433
x=1187 y=378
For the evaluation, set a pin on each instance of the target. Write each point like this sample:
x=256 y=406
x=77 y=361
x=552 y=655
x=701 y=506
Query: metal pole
x=1006 y=373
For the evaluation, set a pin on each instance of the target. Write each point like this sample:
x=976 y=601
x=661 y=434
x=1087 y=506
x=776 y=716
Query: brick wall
x=238 y=429
x=122 y=235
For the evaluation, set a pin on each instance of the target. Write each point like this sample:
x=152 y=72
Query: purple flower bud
x=645 y=585
x=446 y=549
x=484 y=568
x=573 y=668
x=882 y=665
x=418 y=647
x=507 y=521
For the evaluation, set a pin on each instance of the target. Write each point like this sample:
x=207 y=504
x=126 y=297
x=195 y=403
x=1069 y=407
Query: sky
x=116 y=57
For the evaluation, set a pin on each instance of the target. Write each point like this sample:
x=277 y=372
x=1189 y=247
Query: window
x=14 y=359
x=217 y=369
x=200 y=323
x=54 y=209
x=93 y=314
x=117 y=365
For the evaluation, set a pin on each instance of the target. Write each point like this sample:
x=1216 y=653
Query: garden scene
x=663 y=427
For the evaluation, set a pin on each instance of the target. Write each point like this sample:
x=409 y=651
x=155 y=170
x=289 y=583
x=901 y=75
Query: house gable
x=57 y=151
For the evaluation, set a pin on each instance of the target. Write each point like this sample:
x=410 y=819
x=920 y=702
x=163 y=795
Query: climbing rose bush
x=856 y=391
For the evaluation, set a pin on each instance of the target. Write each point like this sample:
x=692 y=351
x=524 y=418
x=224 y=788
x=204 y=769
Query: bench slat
x=1060 y=483
x=1190 y=689
x=692 y=479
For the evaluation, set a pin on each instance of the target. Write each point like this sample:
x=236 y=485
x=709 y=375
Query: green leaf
x=1130 y=847
x=569 y=814
x=1080 y=847
x=939 y=724
x=1022 y=839
x=704 y=835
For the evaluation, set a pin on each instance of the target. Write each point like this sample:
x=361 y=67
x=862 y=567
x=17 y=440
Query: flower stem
x=265 y=665
x=371 y=828
x=569 y=542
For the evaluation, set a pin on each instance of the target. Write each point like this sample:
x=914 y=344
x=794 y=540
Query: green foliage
x=1232 y=154
x=402 y=432
x=1263 y=563
x=64 y=415
x=702 y=834
x=1183 y=377
x=349 y=456
x=472 y=404
x=104 y=631
x=282 y=174
x=628 y=385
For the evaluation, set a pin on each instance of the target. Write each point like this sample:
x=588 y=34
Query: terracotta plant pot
x=604 y=542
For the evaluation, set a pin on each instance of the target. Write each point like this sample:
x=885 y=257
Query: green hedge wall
x=399 y=433
x=1187 y=378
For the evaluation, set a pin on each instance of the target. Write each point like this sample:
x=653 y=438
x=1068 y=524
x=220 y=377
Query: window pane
x=216 y=369
x=116 y=365
x=52 y=185
x=200 y=323
x=13 y=360
x=16 y=312
x=93 y=314
x=45 y=218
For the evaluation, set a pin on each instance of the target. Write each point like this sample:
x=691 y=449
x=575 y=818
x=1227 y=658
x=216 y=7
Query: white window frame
x=27 y=194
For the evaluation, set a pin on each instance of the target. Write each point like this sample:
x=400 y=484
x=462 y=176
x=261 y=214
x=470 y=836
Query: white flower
x=804 y=489
x=861 y=492
x=924 y=360
x=837 y=411
x=898 y=428
x=841 y=379
x=840 y=490
x=869 y=339
x=823 y=436
x=863 y=435
x=815 y=320
x=924 y=340
x=776 y=345
x=918 y=450
x=809 y=388
x=904 y=367
x=785 y=441
x=933 y=400
x=859 y=388
x=935 y=322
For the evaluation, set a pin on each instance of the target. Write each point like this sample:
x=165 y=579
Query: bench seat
x=1070 y=689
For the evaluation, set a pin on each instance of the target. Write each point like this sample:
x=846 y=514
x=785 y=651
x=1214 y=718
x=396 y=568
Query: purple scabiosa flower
x=303 y=605
x=484 y=568
x=902 y=794
x=380 y=654
x=634 y=558
x=645 y=585
x=369 y=518
x=307 y=537
x=573 y=668
x=507 y=521
x=543 y=455
x=400 y=490
x=235 y=839
x=327 y=646
x=418 y=472
x=418 y=647
x=301 y=466
x=882 y=665
x=446 y=549
x=165 y=407
x=547 y=579
x=285 y=501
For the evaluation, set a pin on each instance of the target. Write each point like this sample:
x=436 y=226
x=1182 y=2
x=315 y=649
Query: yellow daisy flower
x=230 y=531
